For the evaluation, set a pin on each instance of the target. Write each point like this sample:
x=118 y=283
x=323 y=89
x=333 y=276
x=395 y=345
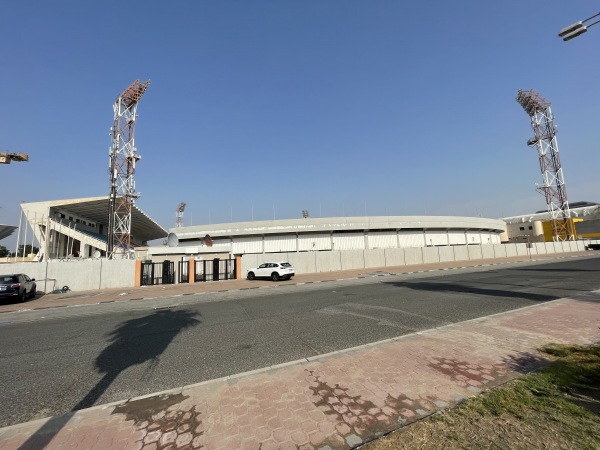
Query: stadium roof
x=143 y=228
x=6 y=231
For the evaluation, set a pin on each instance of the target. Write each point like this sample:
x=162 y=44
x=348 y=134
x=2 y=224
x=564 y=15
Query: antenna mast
x=179 y=215
x=544 y=140
x=122 y=162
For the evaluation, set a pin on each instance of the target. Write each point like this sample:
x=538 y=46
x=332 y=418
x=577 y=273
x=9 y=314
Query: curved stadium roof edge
x=326 y=224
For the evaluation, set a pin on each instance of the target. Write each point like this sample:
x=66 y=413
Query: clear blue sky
x=265 y=108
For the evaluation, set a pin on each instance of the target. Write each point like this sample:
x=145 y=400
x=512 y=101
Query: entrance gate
x=215 y=270
x=184 y=276
x=157 y=273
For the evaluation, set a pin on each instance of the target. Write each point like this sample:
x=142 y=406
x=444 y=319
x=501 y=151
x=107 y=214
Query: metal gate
x=215 y=270
x=184 y=276
x=157 y=273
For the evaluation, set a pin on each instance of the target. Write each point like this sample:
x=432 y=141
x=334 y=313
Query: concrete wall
x=499 y=251
x=327 y=261
x=104 y=274
x=446 y=254
x=413 y=255
x=77 y=275
x=394 y=257
x=375 y=258
x=353 y=259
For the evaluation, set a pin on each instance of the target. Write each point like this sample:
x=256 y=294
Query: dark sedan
x=18 y=286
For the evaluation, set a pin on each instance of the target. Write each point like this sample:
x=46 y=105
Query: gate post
x=216 y=269
x=238 y=267
x=137 y=282
x=192 y=271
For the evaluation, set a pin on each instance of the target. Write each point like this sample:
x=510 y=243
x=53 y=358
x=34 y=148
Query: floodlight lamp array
x=134 y=92
x=532 y=101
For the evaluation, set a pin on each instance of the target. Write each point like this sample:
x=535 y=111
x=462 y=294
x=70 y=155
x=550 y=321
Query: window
x=522 y=228
x=530 y=227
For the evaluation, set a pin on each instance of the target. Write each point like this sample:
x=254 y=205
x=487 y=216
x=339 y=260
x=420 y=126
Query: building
x=323 y=234
x=79 y=227
x=536 y=227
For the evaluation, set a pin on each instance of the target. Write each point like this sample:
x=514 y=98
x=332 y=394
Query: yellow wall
x=547 y=226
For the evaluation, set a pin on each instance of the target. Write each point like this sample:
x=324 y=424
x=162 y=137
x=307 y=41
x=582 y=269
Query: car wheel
x=23 y=296
x=33 y=292
x=275 y=276
x=251 y=276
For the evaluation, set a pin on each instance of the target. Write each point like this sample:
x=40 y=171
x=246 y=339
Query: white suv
x=274 y=271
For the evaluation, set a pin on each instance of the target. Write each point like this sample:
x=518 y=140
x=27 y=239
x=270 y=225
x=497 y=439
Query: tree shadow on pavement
x=133 y=342
x=526 y=362
x=470 y=289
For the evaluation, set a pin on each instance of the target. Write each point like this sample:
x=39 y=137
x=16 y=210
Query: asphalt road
x=54 y=361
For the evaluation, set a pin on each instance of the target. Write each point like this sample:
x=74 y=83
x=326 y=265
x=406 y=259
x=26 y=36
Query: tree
x=4 y=252
x=27 y=250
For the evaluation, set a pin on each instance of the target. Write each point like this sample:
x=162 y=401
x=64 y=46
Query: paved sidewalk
x=339 y=400
x=45 y=301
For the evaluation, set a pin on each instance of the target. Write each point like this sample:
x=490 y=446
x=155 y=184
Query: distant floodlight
x=305 y=214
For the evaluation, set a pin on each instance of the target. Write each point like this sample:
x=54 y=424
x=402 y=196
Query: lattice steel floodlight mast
x=179 y=215
x=122 y=162
x=553 y=186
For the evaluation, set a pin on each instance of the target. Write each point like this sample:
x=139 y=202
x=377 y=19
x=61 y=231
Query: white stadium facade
x=72 y=240
x=341 y=233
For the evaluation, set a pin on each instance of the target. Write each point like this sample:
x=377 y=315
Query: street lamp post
x=577 y=28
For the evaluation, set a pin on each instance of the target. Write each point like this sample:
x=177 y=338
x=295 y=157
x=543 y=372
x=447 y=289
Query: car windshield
x=286 y=265
x=7 y=279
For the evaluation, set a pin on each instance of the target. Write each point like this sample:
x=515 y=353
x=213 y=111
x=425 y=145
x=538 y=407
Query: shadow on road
x=134 y=342
x=470 y=289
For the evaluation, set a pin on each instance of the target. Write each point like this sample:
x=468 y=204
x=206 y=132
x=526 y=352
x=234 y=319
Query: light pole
x=577 y=28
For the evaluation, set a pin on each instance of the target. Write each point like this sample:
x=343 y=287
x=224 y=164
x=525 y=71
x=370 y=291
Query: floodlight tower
x=544 y=140
x=179 y=215
x=122 y=162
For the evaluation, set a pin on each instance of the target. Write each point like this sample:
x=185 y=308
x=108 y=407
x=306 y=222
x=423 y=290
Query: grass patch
x=556 y=408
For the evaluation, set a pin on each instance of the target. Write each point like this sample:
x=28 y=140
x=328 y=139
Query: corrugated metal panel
x=247 y=245
x=457 y=237
x=411 y=238
x=349 y=241
x=436 y=238
x=221 y=242
x=315 y=242
x=275 y=244
x=383 y=239
x=473 y=237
